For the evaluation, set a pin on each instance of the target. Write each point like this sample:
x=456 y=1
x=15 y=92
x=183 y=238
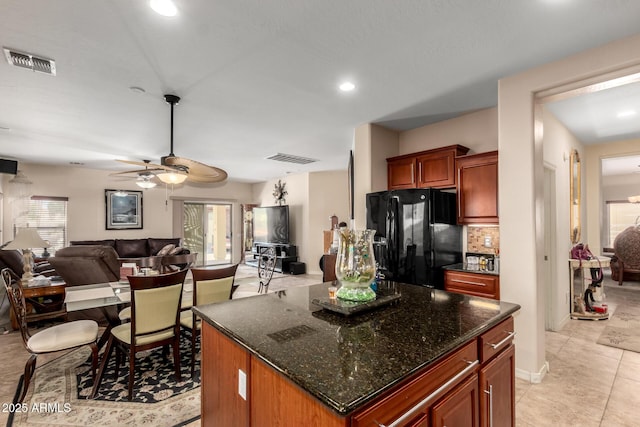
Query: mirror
x=574 y=188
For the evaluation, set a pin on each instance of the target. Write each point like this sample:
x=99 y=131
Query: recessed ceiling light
x=347 y=86
x=164 y=7
x=627 y=113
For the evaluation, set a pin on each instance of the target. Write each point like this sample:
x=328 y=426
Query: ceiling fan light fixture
x=145 y=182
x=172 y=177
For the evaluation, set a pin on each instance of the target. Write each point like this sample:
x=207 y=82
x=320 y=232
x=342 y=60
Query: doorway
x=207 y=231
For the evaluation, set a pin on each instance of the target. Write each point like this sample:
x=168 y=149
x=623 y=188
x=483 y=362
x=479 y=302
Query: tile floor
x=588 y=384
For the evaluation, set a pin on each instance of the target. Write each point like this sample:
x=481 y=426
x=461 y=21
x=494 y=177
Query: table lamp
x=26 y=239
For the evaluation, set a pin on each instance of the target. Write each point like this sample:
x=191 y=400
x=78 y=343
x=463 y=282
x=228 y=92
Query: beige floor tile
x=622 y=408
x=630 y=367
x=554 y=342
x=521 y=388
x=538 y=410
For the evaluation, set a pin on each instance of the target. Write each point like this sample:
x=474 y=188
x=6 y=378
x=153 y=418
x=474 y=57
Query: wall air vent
x=289 y=158
x=30 y=62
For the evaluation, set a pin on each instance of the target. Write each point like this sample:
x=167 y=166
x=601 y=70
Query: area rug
x=623 y=328
x=57 y=395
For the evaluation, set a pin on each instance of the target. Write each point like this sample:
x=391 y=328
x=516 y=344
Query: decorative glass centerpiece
x=355 y=265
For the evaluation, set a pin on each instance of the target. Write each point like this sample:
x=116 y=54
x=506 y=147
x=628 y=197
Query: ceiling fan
x=175 y=170
x=146 y=178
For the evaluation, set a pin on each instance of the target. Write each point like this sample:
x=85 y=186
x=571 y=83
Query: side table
x=55 y=291
x=582 y=265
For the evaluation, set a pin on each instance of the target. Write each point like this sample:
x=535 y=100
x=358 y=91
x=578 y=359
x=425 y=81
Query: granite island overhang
x=346 y=361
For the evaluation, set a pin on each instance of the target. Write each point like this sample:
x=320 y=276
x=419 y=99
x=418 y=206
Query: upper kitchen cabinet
x=426 y=169
x=477 y=188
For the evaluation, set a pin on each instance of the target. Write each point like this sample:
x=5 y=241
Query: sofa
x=86 y=264
x=13 y=260
x=129 y=250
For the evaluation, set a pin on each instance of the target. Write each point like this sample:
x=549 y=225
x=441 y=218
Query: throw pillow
x=166 y=250
x=176 y=251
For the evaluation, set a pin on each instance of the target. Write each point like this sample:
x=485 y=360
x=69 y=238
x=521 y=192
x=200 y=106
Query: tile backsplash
x=476 y=239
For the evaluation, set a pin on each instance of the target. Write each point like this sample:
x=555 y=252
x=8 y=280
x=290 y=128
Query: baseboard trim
x=533 y=377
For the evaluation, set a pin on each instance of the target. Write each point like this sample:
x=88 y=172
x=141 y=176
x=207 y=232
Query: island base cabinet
x=222 y=360
x=459 y=408
x=497 y=390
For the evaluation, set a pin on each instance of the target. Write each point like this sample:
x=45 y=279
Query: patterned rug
x=60 y=388
x=623 y=327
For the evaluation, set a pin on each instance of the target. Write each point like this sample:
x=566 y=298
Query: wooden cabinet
x=477 y=284
x=401 y=173
x=412 y=401
x=460 y=407
x=497 y=375
x=477 y=188
x=497 y=391
x=467 y=387
x=425 y=169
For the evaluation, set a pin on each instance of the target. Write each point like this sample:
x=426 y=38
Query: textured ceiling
x=260 y=77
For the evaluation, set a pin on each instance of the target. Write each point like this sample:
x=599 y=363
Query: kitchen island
x=279 y=359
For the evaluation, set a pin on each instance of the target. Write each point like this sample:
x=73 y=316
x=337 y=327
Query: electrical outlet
x=487 y=241
x=242 y=384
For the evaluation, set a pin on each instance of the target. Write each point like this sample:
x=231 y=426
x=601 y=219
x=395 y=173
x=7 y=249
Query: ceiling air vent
x=290 y=158
x=30 y=62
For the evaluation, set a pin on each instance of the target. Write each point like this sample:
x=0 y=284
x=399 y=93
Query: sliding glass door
x=207 y=231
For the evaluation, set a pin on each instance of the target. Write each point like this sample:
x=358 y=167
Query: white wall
x=86 y=207
x=521 y=173
x=312 y=199
x=558 y=143
x=477 y=131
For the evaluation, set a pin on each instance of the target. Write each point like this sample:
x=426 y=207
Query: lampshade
x=145 y=182
x=172 y=177
x=27 y=238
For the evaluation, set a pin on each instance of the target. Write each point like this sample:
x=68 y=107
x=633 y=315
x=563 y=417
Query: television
x=271 y=224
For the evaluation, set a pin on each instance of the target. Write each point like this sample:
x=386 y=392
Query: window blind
x=49 y=216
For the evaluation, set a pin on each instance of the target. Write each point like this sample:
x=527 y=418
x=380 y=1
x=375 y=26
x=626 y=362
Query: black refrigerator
x=416 y=234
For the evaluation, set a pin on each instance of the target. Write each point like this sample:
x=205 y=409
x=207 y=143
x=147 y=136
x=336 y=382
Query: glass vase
x=355 y=265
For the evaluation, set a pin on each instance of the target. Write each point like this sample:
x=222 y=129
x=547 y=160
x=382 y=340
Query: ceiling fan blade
x=149 y=166
x=197 y=172
x=138 y=172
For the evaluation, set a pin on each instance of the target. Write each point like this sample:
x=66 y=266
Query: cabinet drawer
x=496 y=339
x=412 y=394
x=481 y=285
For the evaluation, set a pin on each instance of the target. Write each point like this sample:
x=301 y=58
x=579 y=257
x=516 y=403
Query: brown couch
x=86 y=264
x=12 y=259
x=133 y=248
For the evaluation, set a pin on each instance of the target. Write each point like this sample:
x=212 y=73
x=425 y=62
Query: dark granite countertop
x=345 y=361
x=470 y=269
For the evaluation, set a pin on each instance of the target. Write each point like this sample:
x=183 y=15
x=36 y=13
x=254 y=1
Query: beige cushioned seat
x=64 y=336
x=209 y=291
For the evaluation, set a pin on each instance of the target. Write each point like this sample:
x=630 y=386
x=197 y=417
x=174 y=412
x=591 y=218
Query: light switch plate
x=242 y=384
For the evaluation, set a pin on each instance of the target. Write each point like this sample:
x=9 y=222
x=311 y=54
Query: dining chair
x=66 y=336
x=165 y=264
x=155 y=322
x=210 y=285
x=266 y=265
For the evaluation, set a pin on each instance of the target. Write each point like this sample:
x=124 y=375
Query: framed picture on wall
x=123 y=209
